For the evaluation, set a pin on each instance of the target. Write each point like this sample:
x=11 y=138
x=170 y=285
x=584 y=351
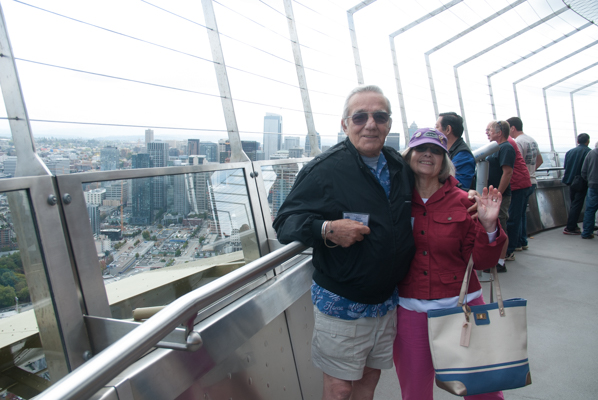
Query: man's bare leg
x=336 y=389
x=363 y=389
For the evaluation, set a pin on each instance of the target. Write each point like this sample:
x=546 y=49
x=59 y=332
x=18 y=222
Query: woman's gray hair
x=447 y=169
x=361 y=89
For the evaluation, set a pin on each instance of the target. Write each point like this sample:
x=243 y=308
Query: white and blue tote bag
x=480 y=349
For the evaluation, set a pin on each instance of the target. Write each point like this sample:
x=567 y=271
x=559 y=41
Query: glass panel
x=28 y=359
x=278 y=180
x=158 y=238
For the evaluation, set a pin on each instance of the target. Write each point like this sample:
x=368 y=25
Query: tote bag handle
x=495 y=283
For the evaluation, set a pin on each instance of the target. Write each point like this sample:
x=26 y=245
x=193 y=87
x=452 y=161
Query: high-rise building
x=285 y=178
x=59 y=166
x=210 y=150
x=341 y=136
x=93 y=211
x=158 y=152
x=296 y=153
x=109 y=157
x=149 y=136
x=412 y=129
x=272 y=134
x=95 y=196
x=141 y=198
x=10 y=165
x=193 y=147
x=308 y=144
x=118 y=190
x=291 y=142
x=179 y=194
x=394 y=140
x=250 y=148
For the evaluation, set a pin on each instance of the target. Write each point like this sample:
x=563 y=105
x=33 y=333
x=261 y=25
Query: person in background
x=520 y=186
x=445 y=238
x=500 y=171
x=352 y=204
x=574 y=159
x=451 y=124
x=533 y=159
x=589 y=172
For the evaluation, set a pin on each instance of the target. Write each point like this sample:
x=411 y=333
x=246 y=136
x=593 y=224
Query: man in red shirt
x=520 y=185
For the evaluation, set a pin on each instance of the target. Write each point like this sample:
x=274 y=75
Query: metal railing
x=89 y=378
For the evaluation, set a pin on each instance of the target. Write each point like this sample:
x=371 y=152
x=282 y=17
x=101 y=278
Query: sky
x=111 y=69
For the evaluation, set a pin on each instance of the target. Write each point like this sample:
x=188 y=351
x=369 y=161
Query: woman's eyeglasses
x=361 y=118
x=433 y=149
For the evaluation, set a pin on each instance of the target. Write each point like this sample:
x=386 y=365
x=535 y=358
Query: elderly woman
x=445 y=238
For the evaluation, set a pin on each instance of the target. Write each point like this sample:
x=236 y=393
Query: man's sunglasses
x=433 y=149
x=361 y=118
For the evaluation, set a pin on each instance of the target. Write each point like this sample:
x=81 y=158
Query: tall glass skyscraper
x=141 y=193
x=272 y=134
x=158 y=152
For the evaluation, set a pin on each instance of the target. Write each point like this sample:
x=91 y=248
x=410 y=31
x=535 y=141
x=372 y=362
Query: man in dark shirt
x=577 y=193
x=500 y=172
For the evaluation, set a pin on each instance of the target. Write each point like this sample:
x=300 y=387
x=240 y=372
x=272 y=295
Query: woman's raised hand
x=488 y=207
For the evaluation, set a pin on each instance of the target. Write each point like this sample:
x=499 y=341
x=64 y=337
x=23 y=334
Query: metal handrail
x=93 y=375
x=548 y=169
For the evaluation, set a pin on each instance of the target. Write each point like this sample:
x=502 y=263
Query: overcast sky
x=163 y=47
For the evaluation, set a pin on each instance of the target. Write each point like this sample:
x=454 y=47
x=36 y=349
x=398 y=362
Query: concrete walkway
x=558 y=276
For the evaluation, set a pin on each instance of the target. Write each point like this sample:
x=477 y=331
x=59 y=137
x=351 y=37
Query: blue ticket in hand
x=359 y=217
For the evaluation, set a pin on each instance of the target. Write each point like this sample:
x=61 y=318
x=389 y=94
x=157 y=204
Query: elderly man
x=451 y=124
x=352 y=204
x=500 y=171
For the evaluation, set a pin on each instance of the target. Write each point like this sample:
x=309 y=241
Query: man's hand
x=345 y=232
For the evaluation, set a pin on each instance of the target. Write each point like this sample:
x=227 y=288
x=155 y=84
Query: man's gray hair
x=361 y=89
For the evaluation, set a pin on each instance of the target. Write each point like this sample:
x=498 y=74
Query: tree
x=23 y=295
x=154 y=238
x=136 y=255
x=160 y=226
x=177 y=253
x=146 y=235
x=7 y=296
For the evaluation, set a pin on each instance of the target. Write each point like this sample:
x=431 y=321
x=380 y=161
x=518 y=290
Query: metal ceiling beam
x=309 y=116
x=546 y=101
x=228 y=108
x=573 y=107
x=350 y=13
x=552 y=64
x=492 y=47
x=453 y=39
x=525 y=57
x=396 y=63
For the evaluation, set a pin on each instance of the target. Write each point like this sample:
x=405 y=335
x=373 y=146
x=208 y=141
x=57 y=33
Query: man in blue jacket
x=352 y=204
x=451 y=124
x=577 y=193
